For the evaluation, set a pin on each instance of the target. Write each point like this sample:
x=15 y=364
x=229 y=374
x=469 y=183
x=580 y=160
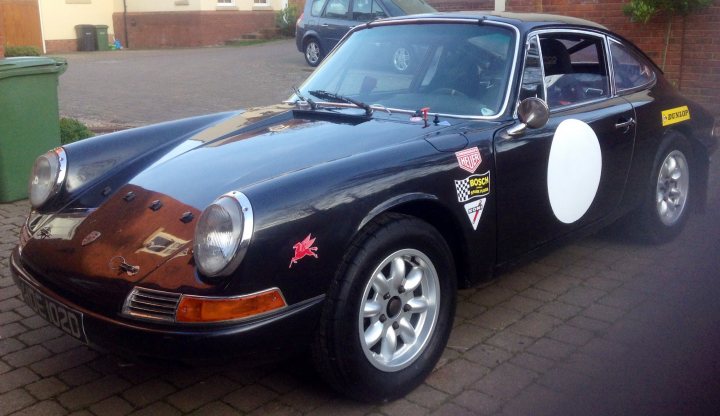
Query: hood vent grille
x=152 y=305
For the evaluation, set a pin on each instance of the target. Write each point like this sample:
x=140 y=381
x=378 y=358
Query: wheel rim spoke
x=373 y=334
x=380 y=284
x=406 y=331
x=413 y=279
x=389 y=345
x=372 y=309
x=418 y=305
x=397 y=273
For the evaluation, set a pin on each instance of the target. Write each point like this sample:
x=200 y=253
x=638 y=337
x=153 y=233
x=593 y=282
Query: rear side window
x=366 y=10
x=337 y=9
x=575 y=69
x=316 y=8
x=630 y=70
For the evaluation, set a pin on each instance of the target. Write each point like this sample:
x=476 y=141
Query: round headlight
x=223 y=234
x=47 y=176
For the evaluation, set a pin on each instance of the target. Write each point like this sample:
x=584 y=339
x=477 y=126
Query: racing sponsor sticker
x=303 y=248
x=675 y=115
x=473 y=186
x=469 y=159
x=474 y=211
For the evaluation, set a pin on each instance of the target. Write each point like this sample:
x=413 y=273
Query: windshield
x=455 y=69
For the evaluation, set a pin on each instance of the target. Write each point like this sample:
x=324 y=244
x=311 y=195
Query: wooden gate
x=21 y=21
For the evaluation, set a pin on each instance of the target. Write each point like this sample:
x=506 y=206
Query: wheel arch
x=428 y=208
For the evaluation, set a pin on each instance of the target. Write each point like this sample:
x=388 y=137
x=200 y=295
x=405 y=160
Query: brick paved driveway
x=603 y=326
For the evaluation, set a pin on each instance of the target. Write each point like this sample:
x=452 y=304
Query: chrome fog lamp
x=47 y=176
x=223 y=234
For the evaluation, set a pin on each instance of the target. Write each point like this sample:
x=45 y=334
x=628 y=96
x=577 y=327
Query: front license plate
x=70 y=321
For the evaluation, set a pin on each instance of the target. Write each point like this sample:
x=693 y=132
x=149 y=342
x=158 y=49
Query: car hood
x=149 y=222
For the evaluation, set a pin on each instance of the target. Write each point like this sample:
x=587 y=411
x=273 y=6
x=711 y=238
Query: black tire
x=343 y=356
x=313 y=52
x=676 y=192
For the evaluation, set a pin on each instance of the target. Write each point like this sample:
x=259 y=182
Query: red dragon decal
x=304 y=248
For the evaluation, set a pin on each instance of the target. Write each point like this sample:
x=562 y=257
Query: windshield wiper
x=302 y=100
x=326 y=95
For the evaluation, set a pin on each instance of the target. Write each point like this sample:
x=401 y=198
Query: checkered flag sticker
x=473 y=186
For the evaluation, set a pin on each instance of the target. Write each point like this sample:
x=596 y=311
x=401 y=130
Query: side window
x=317 y=6
x=532 y=79
x=629 y=69
x=575 y=69
x=337 y=9
x=366 y=10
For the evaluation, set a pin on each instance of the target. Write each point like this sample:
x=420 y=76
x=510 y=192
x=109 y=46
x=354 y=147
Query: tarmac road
x=603 y=326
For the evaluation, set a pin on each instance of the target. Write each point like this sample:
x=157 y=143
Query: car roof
x=526 y=21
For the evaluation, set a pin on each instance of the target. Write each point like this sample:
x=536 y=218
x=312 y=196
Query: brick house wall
x=2 y=39
x=183 y=29
x=693 y=57
x=457 y=5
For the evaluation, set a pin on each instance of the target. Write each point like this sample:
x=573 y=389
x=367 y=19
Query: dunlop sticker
x=675 y=115
x=473 y=186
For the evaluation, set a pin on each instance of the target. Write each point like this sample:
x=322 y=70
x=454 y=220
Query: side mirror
x=533 y=113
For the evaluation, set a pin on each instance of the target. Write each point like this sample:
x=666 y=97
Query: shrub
x=285 y=20
x=72 y=130
x=11 y=51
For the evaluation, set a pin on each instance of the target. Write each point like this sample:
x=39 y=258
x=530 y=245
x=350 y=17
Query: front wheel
x=313 y=52
x=666 y=207
x=389 y=311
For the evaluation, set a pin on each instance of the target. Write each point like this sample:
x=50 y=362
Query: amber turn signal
x=197 y=309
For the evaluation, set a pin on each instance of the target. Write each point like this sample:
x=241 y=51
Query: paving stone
x=8 y=317
x=9 y=345
x=40 y=335
x=534 y=325
x=157 y=409
x=60 y=362
x=427 y=396
x=623 y=299
x=505 y=381
x=16 y=378
x=478 y=402
x=4 y=368
x=604 y=349
x=62 y=344
x=497 y=318
x=201 y=393
x=510 y=341
x=591 y=366
x=557 y=284
x=538 y=294
x=34 y=322
x=519 y=280
x=602 y=283
x=25 y=311
x=306 y=399
x=590 y=324
x=279 y=409
x=13 y=329
x=150 y=391
x=338 y=406
x=46 y=388
x=250 y=398
x=451 y=409
x=466 y=336
x=551 y=349
x=564 y=380
x=14 y=400
x=487 y=355
x=281 y=381
x=112 y=406
x=570 y=335
x=532 y=362
x=468 y=310
x=403 y=407
x=216 y=409
x=93 y=392
x=26 y=356
x=560 y=310
x=455 y=376
x=9 y=292
x=581 y=296
x=492 y=295
x=535 y=400
x=522 y=304
x=603 y=313
x=44 y=408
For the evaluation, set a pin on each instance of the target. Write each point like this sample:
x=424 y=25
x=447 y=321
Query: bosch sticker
x=474 y=211
x=469 y=159
x=675 y=115
x=473 y=186
x=302 y=249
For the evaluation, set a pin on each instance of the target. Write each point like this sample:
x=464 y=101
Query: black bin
x=86 y=37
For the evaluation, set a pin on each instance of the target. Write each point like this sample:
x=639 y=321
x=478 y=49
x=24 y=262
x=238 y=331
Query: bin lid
x=29 y=65
x=101 y=26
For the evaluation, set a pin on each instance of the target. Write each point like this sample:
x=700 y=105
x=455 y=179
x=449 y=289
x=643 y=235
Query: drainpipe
x=42 y=27
x=127 y=44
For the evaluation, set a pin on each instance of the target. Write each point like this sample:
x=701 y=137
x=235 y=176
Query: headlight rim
x=59 y=177
x=245 y=210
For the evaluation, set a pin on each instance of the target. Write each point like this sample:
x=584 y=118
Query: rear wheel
x=389 y=312
x=666 y=207
x=313 y=52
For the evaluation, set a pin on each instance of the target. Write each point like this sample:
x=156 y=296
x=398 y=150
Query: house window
x=226 y=2
x=261 y=2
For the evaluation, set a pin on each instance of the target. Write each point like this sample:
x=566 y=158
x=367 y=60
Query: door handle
x=324 y=25
x=625 y=124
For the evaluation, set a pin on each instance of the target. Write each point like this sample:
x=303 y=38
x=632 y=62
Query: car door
x=571 y=172
x=336 y=20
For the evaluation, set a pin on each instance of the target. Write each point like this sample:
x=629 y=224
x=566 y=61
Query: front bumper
x=262 y=338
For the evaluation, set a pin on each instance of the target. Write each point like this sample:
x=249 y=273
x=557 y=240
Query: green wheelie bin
x=29 y=118
x=103 y=43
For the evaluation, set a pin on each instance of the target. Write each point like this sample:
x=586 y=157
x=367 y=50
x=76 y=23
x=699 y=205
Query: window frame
x=640 y=57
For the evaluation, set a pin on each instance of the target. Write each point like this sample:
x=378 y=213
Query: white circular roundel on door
x=574 y=170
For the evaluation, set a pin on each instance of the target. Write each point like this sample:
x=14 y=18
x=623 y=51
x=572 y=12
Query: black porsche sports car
x=345 y=218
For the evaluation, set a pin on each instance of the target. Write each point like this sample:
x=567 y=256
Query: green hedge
x=11 y=51
x=72 y=130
